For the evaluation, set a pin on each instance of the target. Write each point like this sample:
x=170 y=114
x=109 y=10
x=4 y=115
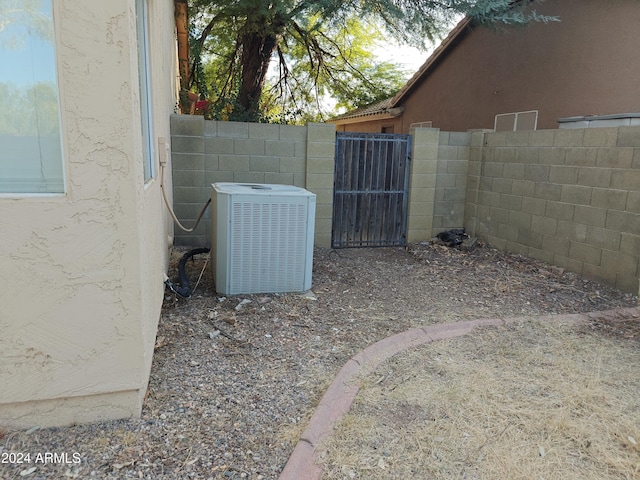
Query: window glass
x=143 y=75
x=30 y=146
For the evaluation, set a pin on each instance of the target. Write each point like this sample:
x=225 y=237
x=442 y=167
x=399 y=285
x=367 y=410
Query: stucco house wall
x=583 y=65
x=86 y=268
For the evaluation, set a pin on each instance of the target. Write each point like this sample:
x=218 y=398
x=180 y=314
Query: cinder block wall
x=205 y=152
x=422 y=183
x=451 y=180
x=568 y=197
x=437 y=188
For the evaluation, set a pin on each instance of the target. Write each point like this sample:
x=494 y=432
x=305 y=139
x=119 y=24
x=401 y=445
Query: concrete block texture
x=264 y=130
x=570 y=196
x=280 y=178
x=625 y=180
x=279 y=148
x=633 y=203
x=615 y=157
x=594 y=177
x=559 y=210
x=181 y=144
x=583 y=192
x=232 y=129
x=187 y=125
x=249 y=146
x=424 y=151
x=588 y=215
x=321 y=132
x=321 y=150
x=600 y=137
x=187 y=161
x=555 y=245
x=585 y=157
x=216 y=145
x=568 y=138
x=258 y=163
x=628 y=137
x=425 y=136
x=249 y=177
x=541 y=138
x=562 y=174
x=293 y=165
x=585 y=253
x=576 y=194
x=620 y=262
x=609 y=199
x=529 y=155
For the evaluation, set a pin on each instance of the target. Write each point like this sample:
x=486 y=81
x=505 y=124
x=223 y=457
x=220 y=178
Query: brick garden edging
x=343 y=390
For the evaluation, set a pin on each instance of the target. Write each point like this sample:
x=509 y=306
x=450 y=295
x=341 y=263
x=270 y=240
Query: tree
x=181 y=15
x=257 y=31
x=15 y=15
x=298 y=88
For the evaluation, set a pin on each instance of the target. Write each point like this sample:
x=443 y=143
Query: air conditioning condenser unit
x=262 y=238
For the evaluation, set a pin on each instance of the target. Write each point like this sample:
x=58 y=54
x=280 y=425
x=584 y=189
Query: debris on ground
x=234 y=406
x=457 y=238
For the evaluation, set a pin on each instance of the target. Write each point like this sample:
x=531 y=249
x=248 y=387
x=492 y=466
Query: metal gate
x=371 y=189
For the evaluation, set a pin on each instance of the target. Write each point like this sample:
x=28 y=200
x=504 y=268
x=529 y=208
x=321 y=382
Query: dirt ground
x=234 y=379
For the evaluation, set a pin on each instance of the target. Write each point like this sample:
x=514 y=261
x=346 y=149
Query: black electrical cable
x=183 y=289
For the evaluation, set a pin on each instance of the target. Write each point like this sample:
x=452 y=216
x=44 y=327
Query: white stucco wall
x=84 y=271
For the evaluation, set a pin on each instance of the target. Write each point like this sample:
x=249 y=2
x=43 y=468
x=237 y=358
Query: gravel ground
x=235 y=379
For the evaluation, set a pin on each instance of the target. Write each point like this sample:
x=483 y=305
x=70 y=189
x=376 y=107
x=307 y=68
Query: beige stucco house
x=84 y=235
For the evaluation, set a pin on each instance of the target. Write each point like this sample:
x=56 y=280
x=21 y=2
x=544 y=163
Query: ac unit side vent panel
x=268 y=247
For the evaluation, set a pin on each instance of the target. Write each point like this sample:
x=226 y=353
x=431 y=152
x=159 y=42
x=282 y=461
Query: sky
x=408 y=57
x=26 y=58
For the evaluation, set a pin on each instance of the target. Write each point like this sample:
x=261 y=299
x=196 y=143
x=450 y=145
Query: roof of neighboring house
x=372 y=109
x=390 y=107
x=450 y=40
x=378 y=110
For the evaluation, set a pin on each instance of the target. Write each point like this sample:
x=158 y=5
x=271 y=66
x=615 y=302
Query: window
x=30 y=144
x=145 y=90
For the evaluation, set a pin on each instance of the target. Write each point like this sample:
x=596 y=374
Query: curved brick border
x=343 y=390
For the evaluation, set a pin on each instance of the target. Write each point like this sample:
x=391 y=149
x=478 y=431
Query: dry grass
x=528 y=401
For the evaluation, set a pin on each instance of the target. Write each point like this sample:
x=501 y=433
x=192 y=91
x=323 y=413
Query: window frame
x=144 y=89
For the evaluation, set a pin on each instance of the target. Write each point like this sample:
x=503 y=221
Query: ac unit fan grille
x=268 y=246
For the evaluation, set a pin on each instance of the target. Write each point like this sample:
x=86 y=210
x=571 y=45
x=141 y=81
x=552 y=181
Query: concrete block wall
x=568 y=197
x=422 y=183
x=205 y=152
x=437 y=188
x=451 y=180
x=321 y=153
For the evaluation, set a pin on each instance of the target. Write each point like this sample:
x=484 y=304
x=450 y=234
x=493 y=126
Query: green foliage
x=317 y=49
x=15 y=15
x=28 y=111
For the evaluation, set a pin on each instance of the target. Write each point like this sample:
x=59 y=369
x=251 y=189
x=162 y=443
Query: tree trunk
x=181 y=14
x=256 y=56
